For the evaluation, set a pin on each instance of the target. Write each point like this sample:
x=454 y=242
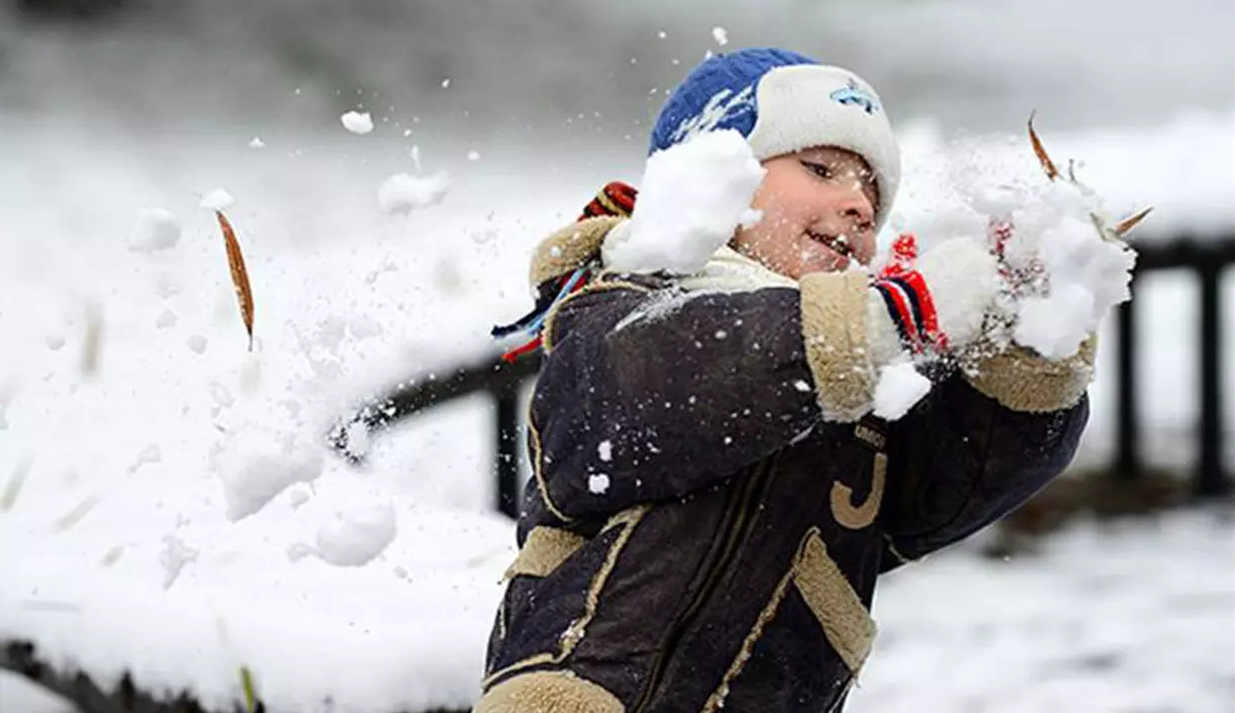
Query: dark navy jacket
x=697 y=536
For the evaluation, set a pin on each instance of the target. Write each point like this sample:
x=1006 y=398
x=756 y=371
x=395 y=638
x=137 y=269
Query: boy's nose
x=857 y=207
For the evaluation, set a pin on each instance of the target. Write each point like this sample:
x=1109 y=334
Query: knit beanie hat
x=782 y=102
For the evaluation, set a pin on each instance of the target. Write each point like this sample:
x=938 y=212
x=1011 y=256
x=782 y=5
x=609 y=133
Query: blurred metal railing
x=1206 y=257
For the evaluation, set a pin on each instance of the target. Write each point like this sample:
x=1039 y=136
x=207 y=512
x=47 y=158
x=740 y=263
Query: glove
x=939 y=302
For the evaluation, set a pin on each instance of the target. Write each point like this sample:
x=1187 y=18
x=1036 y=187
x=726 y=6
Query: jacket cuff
x=834 y=329
x=1024 y=381
x=569 y=249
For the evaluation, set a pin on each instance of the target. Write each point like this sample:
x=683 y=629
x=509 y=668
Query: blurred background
x=538 y=66
x=120 y=115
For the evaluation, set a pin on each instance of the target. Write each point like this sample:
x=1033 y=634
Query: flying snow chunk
x=598 y=484
x=155 y=229
x=721 y=35
x=356 y=122
x=473 y=155
x=900 y=387
x=694 y=195
x=174 y=556
x=257 y=143
x=55 y=342
x=218 y=199
x=402 y=193
x=166 y=318
x=446 y=83
x=256 y=468
x=605 y=451
x=197 y=344
x=356 y=537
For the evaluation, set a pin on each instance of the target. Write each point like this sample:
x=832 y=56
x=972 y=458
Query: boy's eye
x=819 y=169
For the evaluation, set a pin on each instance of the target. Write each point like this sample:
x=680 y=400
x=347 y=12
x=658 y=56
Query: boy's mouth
x=838 y=244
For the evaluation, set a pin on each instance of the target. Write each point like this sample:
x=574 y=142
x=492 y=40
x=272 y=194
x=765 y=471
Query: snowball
x=155 y=229
x=473 y=155
x=900 y=387
x=257 y=143
x=197 y=343
x=694 y=196
x=55 y=341
x=355 y=538
x=721 y=35
x=605 y=450
x=402 y=193
x=166 y=318
x=446 y=83
x=598 y=484
x=174 y=556
x=357 y=123
x=802 y=386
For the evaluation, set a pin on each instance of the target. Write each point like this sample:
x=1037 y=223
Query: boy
x=712 y=498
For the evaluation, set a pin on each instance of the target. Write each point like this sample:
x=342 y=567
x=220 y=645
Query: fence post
x=1210 y=479
x=507 y=465
x=1127 y=410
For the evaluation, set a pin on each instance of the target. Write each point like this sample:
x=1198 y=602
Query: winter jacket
x=700 y=531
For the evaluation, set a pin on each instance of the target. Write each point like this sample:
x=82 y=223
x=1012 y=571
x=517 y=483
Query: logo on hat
x=853 y=95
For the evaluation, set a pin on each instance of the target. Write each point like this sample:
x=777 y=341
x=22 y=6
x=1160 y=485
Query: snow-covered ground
x=166 y=503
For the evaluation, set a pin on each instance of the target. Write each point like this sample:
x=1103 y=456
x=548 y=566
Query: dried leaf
x=240 y=276
x=1128 y=224
x=1051 y=172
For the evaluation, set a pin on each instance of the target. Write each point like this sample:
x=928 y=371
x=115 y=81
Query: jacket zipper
x=734 y=530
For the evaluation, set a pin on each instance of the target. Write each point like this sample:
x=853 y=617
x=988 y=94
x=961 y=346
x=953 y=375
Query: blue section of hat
x=732 y=72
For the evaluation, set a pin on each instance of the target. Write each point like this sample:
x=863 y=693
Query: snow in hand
x=402 y=193
x=900 y=386
x=1084 y=275
x=357 y=122
x=1065 y=275
x=692 y=198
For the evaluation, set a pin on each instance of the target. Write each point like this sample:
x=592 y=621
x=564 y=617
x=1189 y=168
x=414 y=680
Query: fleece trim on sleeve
x=569 y=249
x=548 y=692
x=834 y=310
x=544 y=550
x=1023 y=381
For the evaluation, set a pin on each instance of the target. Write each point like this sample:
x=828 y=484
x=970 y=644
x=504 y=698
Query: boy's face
x=818 y=213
